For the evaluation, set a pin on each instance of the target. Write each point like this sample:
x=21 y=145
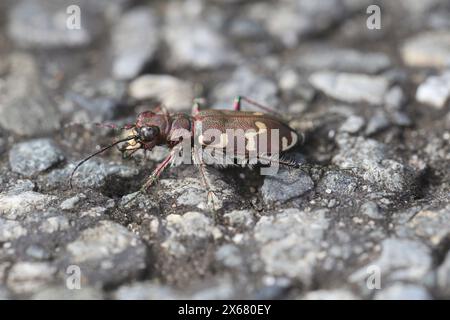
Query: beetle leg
x=211 y=196
x=157 y=172
x=237 y=105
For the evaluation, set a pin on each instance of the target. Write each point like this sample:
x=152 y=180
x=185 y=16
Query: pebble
x=246 y=82
x=11 y=230
x=13 y=205
x=289 y=243
x=352 y=124
x=351 y=87
x=34 y=156
x=286 y=185
x=43 y=25
x=26 y=108
x=343 y=60
x=338 y=183
x=429 y=49
x=135 y=41
x=240 y=218
x=371 y=210
x=29 y=277
x=173 y=93
x=435 y=91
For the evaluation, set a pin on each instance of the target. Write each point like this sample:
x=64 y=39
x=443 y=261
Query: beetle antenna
x=97 y=153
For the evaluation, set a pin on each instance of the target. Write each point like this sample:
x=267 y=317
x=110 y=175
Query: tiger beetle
x=244 y=137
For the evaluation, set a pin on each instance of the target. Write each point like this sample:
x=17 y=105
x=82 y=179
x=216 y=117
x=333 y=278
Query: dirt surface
x=368 y=218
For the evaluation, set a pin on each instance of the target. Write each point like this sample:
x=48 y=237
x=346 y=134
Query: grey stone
x=344 y=60
x=371 y=210
x=188 y=231
x=428 y=49
x=29 y=277
x=107 y=253
x=25 y=108
x=400 y=260
x=229 y=256
x=379 y=121
x=37 y=252
x=194 y=43
x=335 y=294
x=372 y=157
x=338 y=183
x=394 y=98
x=173 y=93
x=240 y=218
x=21 y=186
x=351 y=87
x=290 y=243
x=70 y=203
x=294 y=20
x=35 y=156
x=100 y=98
x=11 y=230
x=353 y=124
x=403 y=292
x=286 y=185
x=435 y=91
x=135 y=40
x=431 y=225
x=15 y=205
x=54 y=224
x=44 y=24
x=245 y=82
x=2 y=145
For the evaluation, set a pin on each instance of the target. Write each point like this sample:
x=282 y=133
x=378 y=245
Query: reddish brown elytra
x=262 y=135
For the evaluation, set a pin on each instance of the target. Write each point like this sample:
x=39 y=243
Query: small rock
x=25 y=108
x=372 y=157
x=349 y=87
x=290 y=243
x=28 y=277
x=286 y=185
x=240 y=218
x=37 y=252
x=21 y=186
x=400 y=260
x=193 y=42
x=428 y=49
x=44 y=24
x=394 y=99
x=379 y=121
x=34 y=156
x=371 y=210
x=70 y=203
x=101 y=98
x=296 y=20
x=13 y=206
x=433 y=226
x=188 y=231
x=135 y=40
x=173 y=93
x=336 y=294
x=11 y=230
x=343 y=60
x=107 y=253
x=245 y=82
x=54 y=224
x=403 y=292
x=353 y=124
x=435 y=91
x=229 y=256
x=338 y=183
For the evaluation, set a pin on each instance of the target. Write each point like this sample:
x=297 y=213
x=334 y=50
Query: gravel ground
x=371 y=220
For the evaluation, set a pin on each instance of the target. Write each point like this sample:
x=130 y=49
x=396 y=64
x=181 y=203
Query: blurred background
x=368 y=82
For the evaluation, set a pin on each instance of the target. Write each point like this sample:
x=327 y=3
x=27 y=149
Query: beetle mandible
x=159 y=127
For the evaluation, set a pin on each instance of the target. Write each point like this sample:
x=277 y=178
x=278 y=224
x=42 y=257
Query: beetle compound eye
x=148 y=133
